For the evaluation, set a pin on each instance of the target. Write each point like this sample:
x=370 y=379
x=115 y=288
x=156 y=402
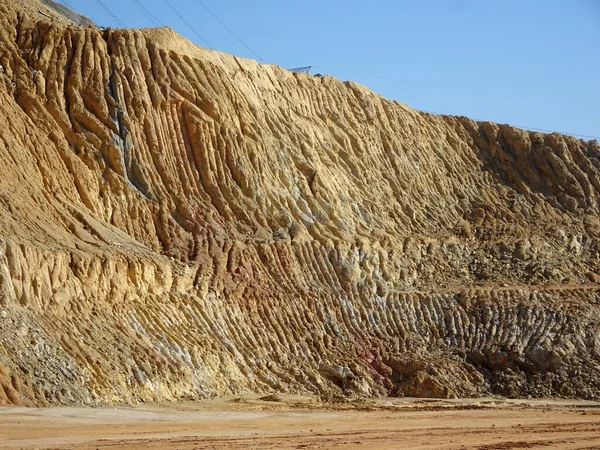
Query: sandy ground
x=305 y=423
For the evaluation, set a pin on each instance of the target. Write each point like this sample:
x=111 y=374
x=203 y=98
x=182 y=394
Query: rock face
x=73 y=16
x=177 y=223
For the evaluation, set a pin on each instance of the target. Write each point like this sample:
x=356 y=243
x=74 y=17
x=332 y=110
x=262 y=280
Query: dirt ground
x=306 y=423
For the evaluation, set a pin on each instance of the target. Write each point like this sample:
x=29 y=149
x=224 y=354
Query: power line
x=472 y=91
x=409 y=100
x=151 y=17
x=189 y=25
x=67 y=3
x=531 y=128
x=497 y=95
x=230 y=31
x=118 y=21
x=561 y=132
x=157 y=23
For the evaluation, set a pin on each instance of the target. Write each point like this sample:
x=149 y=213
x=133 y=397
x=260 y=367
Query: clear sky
x=529 y=63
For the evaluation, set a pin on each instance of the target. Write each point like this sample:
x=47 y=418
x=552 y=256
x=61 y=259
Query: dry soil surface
x=296 y=423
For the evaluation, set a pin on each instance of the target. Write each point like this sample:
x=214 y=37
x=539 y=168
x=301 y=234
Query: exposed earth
x=305 y=423
x=179 y=224
x=252 y=258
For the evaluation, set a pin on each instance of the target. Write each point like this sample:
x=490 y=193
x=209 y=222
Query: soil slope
x=177 y=223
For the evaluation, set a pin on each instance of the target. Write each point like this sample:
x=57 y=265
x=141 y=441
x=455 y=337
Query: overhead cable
x=67 y=3
x=523 y=127
x=189 y=25
x=151 y=17
x=230 y=31
x=409 y=100
x=118 y=21
x=460 y=89
x=561 y=132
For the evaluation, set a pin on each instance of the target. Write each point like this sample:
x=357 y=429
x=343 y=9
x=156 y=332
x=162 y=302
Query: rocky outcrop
x=179 y=223
x=69 y=14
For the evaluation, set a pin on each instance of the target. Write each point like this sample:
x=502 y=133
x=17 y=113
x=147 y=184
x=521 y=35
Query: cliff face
x=180 y=223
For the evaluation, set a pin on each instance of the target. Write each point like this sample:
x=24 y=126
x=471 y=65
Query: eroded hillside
x=177 y=223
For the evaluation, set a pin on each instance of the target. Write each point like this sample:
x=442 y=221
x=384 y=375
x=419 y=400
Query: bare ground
x=307 y=423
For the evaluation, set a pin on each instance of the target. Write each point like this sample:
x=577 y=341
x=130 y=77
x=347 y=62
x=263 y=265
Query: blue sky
x=530 y=63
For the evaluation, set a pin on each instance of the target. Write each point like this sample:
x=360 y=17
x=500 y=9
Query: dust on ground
x=294 y=422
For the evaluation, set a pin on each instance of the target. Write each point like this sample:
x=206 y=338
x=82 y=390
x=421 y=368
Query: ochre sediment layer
x=178 y=223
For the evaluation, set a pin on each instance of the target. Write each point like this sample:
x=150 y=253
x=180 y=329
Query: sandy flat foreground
x=304 y=423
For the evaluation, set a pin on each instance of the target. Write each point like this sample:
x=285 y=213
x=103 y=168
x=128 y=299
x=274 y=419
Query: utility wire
x=561 y=132
x=409 y=101
x=230 y=31
x=151 y=17
x=497 y=95
x=157 y=23
x=529 y=128
x=67 y=3
x=118 y=21
x=189 y=25
x=472 y=91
